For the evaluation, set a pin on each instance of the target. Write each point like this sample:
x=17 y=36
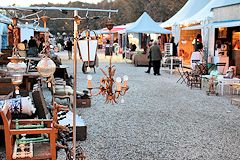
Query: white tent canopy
x=205 y=12
x=5 y=19
x=145 y=24
x=193 y=27
x=189 y=9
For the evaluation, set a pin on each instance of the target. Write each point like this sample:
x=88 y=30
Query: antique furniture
x=46 y=150
x=62 y=91
x=226 y=82
x=140 y=59
x=39 y=102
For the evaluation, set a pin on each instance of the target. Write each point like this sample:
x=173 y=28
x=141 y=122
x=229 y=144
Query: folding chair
x=182 y=74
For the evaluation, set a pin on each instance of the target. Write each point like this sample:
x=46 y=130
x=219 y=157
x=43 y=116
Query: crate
x=83 y=103
x=81 y=133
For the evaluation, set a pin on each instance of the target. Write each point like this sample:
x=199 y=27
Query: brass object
x=45 y=19
x=109 y=24
x=15 y=20
x=109 y=87
x=77 y=19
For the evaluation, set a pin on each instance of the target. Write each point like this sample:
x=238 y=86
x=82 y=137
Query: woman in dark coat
x=174 y=49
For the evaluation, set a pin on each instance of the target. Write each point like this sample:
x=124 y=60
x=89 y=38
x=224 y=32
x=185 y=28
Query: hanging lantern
x=16 y=68
x=46 y=67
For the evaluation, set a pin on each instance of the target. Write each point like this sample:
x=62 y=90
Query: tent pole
x=75 y=85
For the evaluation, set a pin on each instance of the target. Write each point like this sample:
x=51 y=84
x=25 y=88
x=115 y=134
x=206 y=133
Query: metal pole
x=58 y=8
x=74 y=85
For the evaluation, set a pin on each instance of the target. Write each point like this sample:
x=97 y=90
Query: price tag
x=17 y=92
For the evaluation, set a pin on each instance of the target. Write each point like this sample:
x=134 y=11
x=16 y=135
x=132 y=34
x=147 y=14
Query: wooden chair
x=183 y=75
x=40 y=150
x=39 y=102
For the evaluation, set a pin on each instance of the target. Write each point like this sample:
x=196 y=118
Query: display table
x=226 y=81
x=221 y=59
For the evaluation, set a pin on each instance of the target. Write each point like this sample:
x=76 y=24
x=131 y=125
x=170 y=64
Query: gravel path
x=160 y=120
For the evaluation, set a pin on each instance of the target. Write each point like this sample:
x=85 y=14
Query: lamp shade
x=46 y=67
x=83 y=45
x=16 y=68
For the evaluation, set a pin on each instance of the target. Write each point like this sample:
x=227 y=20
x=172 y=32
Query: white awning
x=193 y=27
x=220 y=24
x=189 y=9
x=205 y=13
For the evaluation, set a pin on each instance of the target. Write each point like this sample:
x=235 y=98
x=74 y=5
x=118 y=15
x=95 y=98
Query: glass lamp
x=46 y=67
x=16 y=68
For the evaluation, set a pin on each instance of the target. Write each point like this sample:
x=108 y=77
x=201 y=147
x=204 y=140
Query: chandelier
x=109 y=87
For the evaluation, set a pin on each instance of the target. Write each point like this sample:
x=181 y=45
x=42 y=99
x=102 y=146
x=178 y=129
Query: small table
x=226 y=81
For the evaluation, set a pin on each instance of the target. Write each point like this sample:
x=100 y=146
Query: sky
x=29 y=2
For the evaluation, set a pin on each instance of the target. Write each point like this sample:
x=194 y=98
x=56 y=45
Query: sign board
x=168 y=48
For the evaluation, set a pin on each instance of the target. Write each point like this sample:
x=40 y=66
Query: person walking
x=156 y=57
x=69 y=48
x=33 y=50
x=174 y=48
x=108 y=49
x=149 y=57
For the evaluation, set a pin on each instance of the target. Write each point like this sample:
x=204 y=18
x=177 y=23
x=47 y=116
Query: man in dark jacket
x=69 y=48
x=156 y=57
x=33 y=50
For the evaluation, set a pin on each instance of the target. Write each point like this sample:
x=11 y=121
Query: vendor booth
x=184 y=38
x=226 y=34
x=145 y=25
